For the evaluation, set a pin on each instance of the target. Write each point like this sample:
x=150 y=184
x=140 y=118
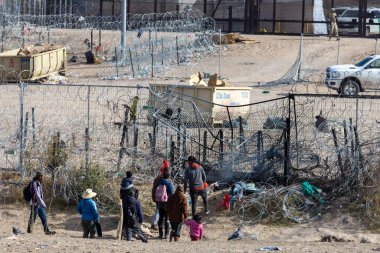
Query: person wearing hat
x=37 y=204
x=87 y=208
x=333 y=24
x=156 y=183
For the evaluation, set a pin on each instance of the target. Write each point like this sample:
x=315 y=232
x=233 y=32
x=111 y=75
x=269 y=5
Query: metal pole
x=337 y=56
x=88 y=106
x=220 y=48
x=21 y=130
x=303 y=17
x=123 y=29
x=274 y=17
x=376 y=46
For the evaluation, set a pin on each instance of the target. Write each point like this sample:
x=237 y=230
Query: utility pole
x=123 y=29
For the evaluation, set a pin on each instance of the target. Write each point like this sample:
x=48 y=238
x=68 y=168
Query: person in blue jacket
x=87 y=208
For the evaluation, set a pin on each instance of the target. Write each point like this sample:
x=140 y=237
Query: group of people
x=171 y=205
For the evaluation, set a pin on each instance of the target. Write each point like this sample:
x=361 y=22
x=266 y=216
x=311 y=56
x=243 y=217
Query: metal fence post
x=229 y=18
x=303 y=17
x=21 y=130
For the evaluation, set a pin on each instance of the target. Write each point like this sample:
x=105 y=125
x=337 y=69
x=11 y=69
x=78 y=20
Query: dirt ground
x=218 y=226
x=241 y=65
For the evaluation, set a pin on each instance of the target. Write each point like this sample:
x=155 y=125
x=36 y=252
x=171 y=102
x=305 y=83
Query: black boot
x=160 y=233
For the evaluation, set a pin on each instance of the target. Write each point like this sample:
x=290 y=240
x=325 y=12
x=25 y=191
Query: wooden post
x=155 y=6
x=177 y=48
x=162 y=51
x=177 y=8
x=205 y=7
x=241 y=134
x=172 y=153
x=33 y=126
x=179 y=130
x=116 y=63
x=124 y=138
x=152 y=51
x=221 y=147
x=26 y=127
x=340 y=163
x=87 y=147
x=135 y=141
x=131 y=61
x=184 y=147
x=100 y=37
x=154 y=137
x=259 y=148
x=229 y=18
x=287 y=152
x=92 y=38
x=204 y=146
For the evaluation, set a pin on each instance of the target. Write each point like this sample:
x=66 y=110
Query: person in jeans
x=133 y=217
x=177 y=211
x=195 y=177
x=156 y=182
x=37 y=205
x=87 y=208
x=162 y=204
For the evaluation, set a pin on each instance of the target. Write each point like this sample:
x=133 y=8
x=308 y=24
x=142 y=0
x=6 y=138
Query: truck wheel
x=350 y=88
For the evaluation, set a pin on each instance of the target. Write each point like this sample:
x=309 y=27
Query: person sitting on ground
x=133 y=217
x=37 y=204
x=195 y=176
x=196 y=227
x=155 y=185
x=177 y=211
x=164 y=190
x=87 y=208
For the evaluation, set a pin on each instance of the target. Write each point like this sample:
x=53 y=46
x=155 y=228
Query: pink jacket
x=196 y=229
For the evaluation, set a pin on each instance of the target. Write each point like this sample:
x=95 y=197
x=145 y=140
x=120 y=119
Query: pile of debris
x=37 y=49
x=198 y=79
x=232 y=38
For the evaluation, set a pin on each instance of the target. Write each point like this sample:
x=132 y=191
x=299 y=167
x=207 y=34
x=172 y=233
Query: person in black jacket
x=133 y=217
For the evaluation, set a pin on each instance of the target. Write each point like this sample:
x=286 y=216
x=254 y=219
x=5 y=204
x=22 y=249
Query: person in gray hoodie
x=195 y=177
x=37 y=204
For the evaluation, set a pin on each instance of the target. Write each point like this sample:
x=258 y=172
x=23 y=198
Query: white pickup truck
x=348 y=22
x=351 y=79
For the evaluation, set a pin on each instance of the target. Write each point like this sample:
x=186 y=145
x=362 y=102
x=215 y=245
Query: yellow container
x=210 y=102
x=15 y=67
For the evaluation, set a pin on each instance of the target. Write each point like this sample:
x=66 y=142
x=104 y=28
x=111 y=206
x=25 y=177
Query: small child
x=196 y=228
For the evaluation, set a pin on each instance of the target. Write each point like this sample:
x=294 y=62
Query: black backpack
x=27 y=192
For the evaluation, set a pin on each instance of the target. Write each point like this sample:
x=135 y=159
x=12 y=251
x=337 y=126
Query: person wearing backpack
x=156 y=182
x=195 y=177
x=163 y=191
x=133 y=217
x=37 y=203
